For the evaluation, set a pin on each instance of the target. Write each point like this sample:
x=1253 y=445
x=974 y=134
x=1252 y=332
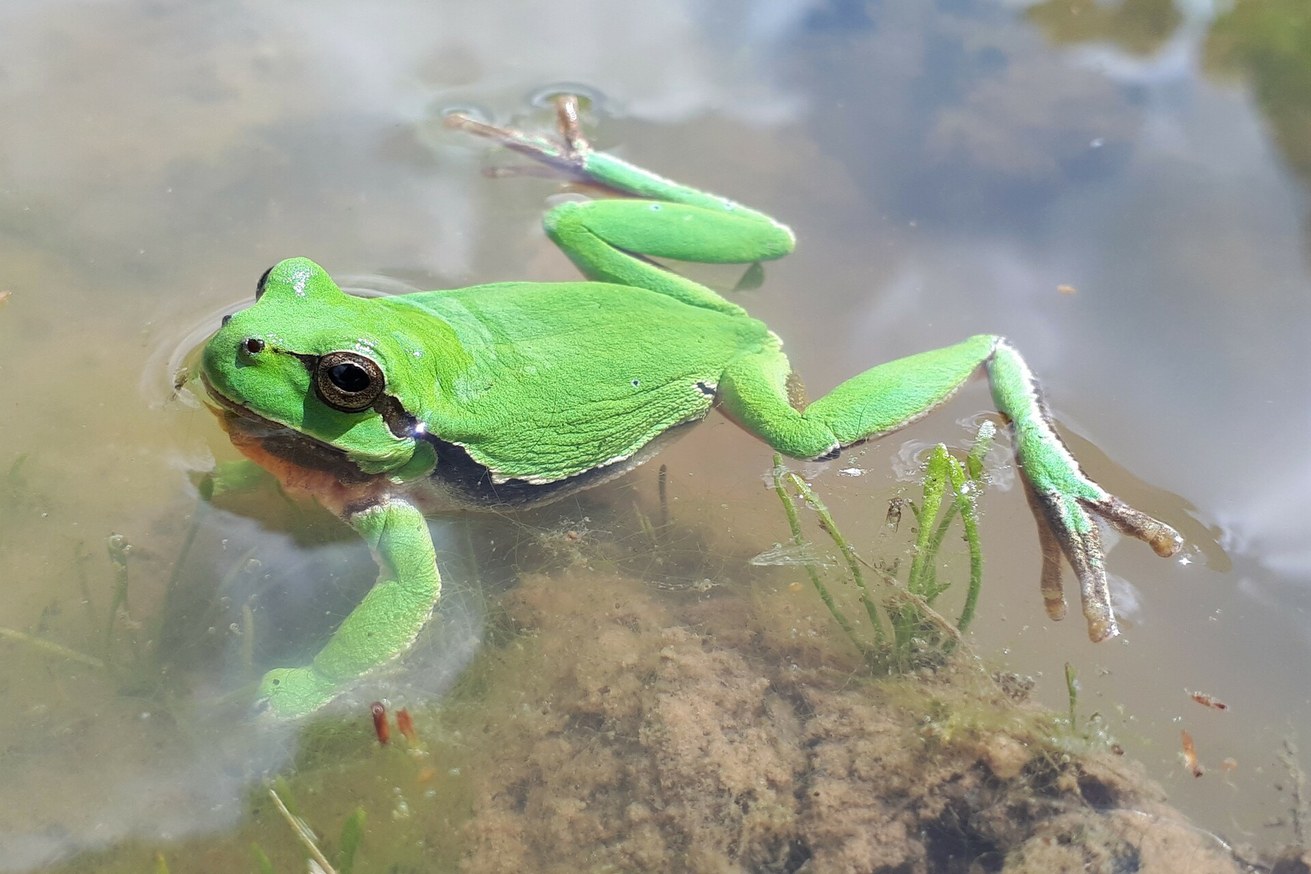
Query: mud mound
x=647 y=736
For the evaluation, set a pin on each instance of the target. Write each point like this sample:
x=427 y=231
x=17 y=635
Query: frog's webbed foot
x=290 y=693
x=1064 y=499
x=567 y=155
x=1066 y=527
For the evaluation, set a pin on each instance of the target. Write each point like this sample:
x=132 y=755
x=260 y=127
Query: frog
x=388 y=409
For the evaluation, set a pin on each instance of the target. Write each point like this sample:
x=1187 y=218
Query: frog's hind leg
x=883 y=399
x=614 y=240
x=565 y=155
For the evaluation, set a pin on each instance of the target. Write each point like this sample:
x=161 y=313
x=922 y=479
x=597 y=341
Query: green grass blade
x=352 y=832
x=261 y=860
x=798 y=539
x=926 y=543
x=965 y=489
x=830 y=527
x=979 y=451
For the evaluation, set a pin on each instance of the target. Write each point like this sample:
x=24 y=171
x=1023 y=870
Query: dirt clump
x=615 y=731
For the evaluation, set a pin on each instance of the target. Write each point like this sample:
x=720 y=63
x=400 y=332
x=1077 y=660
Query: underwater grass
x=903 y=625
x=348 y=843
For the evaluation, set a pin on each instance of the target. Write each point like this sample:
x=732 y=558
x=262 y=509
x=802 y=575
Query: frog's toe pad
x=289 y=693
x=1072 y=532
x=1163 y=539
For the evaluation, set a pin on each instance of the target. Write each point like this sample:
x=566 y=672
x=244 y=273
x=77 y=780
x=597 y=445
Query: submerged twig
x=118 y=550
x=303 y=833
x=662 y=484
x=1072 y=693
x=1301 y=810
x=897 y=597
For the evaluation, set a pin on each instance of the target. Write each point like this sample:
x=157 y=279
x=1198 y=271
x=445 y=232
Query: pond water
x=1119 y=188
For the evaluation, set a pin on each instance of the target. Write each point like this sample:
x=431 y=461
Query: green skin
x=498 y=395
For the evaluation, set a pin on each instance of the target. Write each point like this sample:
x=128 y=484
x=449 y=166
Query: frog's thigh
x=679 y=231
x=753 y=392
x=599 y=236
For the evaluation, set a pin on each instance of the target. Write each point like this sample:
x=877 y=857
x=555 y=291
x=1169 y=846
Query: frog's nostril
x=253 y=345
x=226 y=319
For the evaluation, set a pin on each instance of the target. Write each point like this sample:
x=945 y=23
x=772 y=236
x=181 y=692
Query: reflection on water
x=1262 y=44
x=1118 y=187
x=1139 y=27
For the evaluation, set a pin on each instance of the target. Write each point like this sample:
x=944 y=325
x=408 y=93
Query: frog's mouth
x=248 y=430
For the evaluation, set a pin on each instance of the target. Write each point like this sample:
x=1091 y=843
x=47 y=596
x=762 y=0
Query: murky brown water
x=949 y=169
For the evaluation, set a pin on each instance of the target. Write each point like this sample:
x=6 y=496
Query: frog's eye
x=347 y=381
x=263 y=281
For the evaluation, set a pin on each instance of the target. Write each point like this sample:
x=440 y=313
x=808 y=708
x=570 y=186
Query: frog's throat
x=341 y=496
x=293 y=457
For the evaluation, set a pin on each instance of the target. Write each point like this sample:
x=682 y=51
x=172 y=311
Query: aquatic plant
x=903 y=629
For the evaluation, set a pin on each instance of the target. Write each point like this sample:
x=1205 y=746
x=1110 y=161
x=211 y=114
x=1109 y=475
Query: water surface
x=1121 y=189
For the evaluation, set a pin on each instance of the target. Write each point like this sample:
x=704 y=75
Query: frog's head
x=310 y=361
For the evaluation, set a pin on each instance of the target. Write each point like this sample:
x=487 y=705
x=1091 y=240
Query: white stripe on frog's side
x=1041 y=423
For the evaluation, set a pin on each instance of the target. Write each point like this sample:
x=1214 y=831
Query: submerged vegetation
x=901 y=628
x=645 y=698
x=617 y=720
x=729 y=721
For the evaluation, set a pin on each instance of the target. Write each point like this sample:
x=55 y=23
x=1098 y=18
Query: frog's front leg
x=382 y=626
x=753 y=392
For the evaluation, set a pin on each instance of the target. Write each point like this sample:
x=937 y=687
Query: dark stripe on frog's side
x=459 y=481
x=468 y=484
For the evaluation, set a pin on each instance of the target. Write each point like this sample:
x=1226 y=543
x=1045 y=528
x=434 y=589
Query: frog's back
x=568 y=380
x=536 y=315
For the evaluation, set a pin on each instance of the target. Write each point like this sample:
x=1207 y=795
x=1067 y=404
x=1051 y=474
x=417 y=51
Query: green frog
x=384 y=409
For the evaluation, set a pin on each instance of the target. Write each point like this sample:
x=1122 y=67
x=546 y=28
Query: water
x=1122 y=192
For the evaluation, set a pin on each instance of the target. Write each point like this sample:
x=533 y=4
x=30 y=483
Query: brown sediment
x=628 y=734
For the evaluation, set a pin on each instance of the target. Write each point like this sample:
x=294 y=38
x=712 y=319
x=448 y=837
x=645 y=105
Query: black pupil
x=349 y=377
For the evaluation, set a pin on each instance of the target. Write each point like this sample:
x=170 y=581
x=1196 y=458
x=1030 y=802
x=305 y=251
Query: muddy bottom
x=615 y=731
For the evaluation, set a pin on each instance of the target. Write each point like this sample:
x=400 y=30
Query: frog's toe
x=289 y=693
x=1066 y=526
x=1163 y=539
